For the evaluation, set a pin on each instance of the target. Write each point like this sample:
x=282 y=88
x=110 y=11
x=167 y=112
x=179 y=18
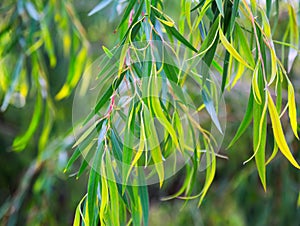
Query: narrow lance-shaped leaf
x=232 y=50
x=128 y=145
x=244 y=46
x=220 y=7
x=210 y=172
x=278 y=108
x=268 y=33
x=294 y=37
x=104 y=193
x=157 y=109
x=144 y=198
x=211 y=110
x=94 y=176
x=99 y=7
x=245 y=122
x=21 y=141
x=79 y=214
x=255 y=86
x=141 y=146
x=292 y=108
x=127 y=11
x=113 y=190
x=278 y=133
x=173 y=31
x=153 y=145
x=259 y=139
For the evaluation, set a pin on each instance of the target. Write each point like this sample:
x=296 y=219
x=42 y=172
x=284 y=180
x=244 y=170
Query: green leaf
x=173 y=31
x=157 y=108
x=48 y=42
x=94 y=177
x=128 y=145
x=294 y=36
x=199 y=5
x=113 y=190
x=245 y=122
x=75 y=71
x=79 y=213
x=107 y=52
x=21 y=141
x=104 y=194
x=127 y=11
x=153 y=145
x=210 y=173
x=244 y=46
x=259 y=139
x=92 y=194
x=106 y=96
x=211 y=37
x=148 y=7
x=233 y=15
x=73 y=158
x=143 y=195
x=141 y=147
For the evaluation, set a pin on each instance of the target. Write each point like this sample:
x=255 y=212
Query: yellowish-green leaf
x=155 y=85
x=268 y=34
x=244 y=45
x=255 y=87
x=210 y=173
x=114 y=195
x=141 y=146
x=168 y=23
x=104 y=194
x=107 y=52
x=292 y=108
x=232 y=50
x=278 y=133
x=238 y=75
x=154 y=147
x=79 y=214
x=294 y=36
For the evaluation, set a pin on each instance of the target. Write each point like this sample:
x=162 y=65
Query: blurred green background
x=44 y=195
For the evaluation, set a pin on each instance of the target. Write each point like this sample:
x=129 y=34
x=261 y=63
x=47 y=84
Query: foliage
x=236 y=39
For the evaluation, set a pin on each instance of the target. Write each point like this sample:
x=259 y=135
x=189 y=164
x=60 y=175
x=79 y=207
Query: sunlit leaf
x=255 y=86
x=278 y=133
x=292 y=108
x=232 y=50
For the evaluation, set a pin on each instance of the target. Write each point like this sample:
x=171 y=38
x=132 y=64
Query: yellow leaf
x=104 y=194
x=168 y=23
x=255 y=87
x=278 y=133
x=232 y=50
x=292 y=108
